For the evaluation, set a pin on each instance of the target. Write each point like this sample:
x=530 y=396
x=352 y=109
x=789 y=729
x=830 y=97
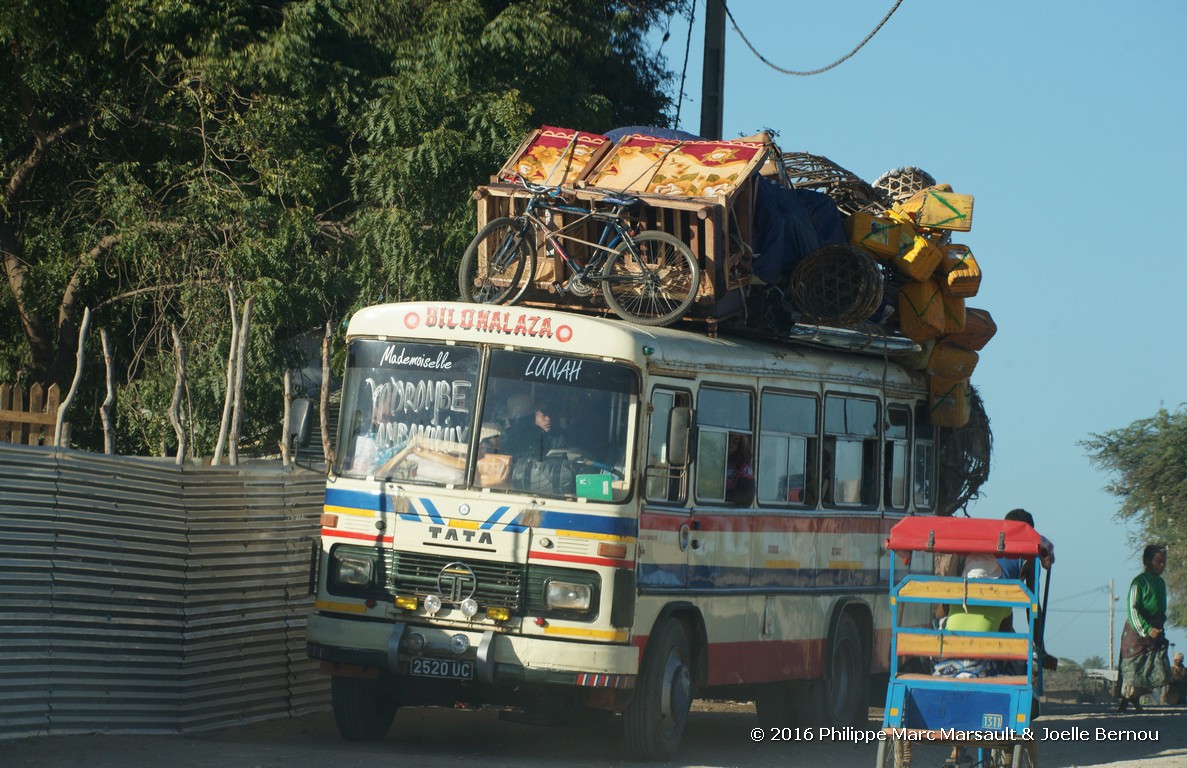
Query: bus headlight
x=568 y=596
x=352 y=569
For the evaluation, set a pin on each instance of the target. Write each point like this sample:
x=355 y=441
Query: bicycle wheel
x=499 y=263
x=654 y=283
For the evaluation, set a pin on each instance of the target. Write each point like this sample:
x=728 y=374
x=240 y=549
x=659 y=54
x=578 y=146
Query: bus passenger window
x=787 y=450
x=925 y=460
x=851 y=447
x=895 y=457
x=725 y=460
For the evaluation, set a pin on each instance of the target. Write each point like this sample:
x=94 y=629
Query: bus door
x=665 y=523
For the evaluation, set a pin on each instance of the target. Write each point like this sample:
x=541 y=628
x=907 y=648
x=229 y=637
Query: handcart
x=985 y=720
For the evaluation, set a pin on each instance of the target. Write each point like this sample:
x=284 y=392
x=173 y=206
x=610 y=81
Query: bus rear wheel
x=363 y=709
x=653 y=723
x=842 y=697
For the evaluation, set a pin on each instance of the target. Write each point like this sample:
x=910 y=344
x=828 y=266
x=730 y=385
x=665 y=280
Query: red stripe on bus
x=537 y=555
x=352 y=535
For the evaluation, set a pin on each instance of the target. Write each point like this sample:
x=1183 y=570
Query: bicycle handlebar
x=620 y=199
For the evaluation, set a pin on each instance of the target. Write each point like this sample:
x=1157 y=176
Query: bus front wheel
x=363 y=710
x=654 y=721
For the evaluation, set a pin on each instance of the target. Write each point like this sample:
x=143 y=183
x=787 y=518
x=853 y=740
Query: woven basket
x=837 y=285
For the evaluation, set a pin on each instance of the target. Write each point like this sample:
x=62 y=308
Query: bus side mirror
x=300 y=424
x=679 y=424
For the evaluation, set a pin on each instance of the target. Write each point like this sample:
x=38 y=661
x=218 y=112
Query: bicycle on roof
x=646 y=277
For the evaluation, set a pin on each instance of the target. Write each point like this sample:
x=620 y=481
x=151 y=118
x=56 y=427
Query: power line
x=777 y=68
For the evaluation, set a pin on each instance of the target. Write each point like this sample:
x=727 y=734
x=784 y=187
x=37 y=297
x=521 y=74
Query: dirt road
x=719 y=734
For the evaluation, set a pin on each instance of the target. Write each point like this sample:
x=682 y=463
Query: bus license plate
x=447 y=669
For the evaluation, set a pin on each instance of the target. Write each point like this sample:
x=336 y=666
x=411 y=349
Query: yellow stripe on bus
x=326 y=605
x=599 y=536
x=781 y=564
x=597 y=634
x=330 y=509
x=848 y=565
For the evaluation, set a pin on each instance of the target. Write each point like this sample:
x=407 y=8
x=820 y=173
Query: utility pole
x=1111 y=599
x=713 y=71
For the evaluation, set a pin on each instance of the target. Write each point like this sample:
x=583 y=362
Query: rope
x=779 y=69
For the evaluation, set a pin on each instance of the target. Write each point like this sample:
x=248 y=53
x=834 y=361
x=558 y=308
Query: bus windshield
x=550 y=424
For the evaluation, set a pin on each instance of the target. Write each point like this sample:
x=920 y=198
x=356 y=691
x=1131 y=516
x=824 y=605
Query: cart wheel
x=894 y=752
x=1026 y=755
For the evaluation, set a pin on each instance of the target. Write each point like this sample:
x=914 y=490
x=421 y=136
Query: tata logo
x=456 y=582
x=454 y=534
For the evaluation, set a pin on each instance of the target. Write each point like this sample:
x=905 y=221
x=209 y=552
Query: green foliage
x=318 y=155
x=1148 y=461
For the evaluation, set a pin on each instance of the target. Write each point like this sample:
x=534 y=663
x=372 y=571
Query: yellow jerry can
x=979 y=328
x=948 y=361
x=883 y=237
x=939 y=208
x=962 y=274
x=920 y=261
x=921 y=311
x=954 y=312
x=949 y=401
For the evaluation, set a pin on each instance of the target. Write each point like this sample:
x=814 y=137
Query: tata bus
x=559 y=515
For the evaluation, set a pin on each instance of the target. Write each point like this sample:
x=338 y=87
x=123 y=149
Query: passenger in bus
x=739 y=470
x=534 y=434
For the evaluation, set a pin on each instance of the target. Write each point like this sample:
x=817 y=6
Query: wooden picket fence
x=31 y=420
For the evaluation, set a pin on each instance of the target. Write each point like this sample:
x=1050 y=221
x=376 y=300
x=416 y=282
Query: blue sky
x=1066 y=121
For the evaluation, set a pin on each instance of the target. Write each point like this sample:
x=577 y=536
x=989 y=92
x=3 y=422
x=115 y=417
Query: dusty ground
x=719 y=734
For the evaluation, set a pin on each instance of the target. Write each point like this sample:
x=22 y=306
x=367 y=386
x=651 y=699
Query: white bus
x=557 y=513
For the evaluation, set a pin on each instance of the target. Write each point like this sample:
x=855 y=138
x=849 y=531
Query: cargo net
x=848 y=191
x=837 y=285
x=964 y=458
x=901 y=183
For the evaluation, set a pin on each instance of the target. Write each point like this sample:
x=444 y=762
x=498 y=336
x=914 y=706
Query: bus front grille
x=496 y=584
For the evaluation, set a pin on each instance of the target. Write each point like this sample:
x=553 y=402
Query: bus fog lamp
x=568 y=596
x=469 y=607
x=406 y=602
x=432 y=604
x=414 y=643
x=498 y=614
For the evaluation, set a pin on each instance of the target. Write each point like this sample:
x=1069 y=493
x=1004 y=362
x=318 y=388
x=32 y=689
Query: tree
x=317 y=154
x=1095 y=662
x=1148 y=459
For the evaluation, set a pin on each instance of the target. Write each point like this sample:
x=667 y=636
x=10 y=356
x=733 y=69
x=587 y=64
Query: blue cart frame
x=989 y=714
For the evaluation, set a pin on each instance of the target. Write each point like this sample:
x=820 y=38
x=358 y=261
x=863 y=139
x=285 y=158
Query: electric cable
x=784 y=71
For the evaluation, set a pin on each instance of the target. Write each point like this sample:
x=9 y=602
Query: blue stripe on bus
x=569 y=521
x=374 y=502
x=736 y=577
x=494 y=518
x=431 y=511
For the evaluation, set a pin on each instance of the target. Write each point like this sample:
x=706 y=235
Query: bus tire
x=363 y=710
x=842 y=697
x=653 y=723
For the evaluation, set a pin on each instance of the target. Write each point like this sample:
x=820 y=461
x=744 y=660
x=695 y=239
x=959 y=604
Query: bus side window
x=898 y=424
x=664 y=482
x=851 y=447
x=787 y=449
x=725 y=444
x=925 y=460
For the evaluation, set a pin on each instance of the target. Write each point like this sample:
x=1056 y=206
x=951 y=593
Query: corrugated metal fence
x=140 y=596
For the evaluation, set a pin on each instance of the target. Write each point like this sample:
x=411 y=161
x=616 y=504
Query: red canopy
x=964 y=535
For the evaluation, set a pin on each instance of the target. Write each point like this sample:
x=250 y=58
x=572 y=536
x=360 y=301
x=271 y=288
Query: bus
x=560 y=514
